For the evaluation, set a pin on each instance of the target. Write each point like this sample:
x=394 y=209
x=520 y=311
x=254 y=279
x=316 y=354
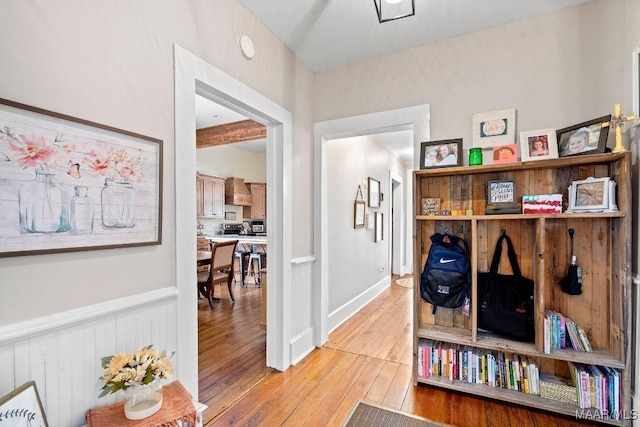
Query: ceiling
x=328 y=34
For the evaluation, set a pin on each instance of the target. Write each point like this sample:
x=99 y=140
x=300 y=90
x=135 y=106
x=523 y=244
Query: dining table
x=204 y=258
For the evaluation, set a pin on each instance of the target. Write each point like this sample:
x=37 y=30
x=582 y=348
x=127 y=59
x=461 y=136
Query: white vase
x=143 y=401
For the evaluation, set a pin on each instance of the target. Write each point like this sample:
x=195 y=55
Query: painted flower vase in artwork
x=43 y=205
x=142 y=401
x=81 y=211
x=118 y=204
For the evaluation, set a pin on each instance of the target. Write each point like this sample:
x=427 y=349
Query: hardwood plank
x=322 y=389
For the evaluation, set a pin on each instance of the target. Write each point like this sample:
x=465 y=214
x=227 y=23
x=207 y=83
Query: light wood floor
x=367 y=358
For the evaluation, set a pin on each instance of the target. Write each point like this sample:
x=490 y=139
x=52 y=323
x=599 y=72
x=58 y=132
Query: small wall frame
x=379 y=227
x=374 y=193
x=358 y=213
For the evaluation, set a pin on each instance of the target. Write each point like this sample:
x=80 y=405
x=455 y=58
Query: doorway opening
x=231 y=334
x=195 y=76
x=415 y=118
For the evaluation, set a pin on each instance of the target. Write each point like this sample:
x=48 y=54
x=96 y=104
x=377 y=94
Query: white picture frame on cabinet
x=592 y=195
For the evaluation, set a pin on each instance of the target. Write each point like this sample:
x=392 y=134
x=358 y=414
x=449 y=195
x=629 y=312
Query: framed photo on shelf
x=444 y=153
x=22 y=407
x=358 y=213
x=379 y=225
x=74 y=185
x=374 y=193
x=592 y=195
x=494 y=128
x=538 y=145
x=584 y=138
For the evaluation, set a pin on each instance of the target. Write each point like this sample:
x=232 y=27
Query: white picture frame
x=538 y=144
x=592 y=195
x=494 y=128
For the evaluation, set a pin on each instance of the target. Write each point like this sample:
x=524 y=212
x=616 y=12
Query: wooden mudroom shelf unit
x=602 y=244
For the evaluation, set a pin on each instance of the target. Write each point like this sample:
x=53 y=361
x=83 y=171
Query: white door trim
x=416 y=118
x=194 y=74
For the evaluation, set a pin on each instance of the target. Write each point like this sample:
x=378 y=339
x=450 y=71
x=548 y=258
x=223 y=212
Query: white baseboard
x=343 y=313
x=302 y=345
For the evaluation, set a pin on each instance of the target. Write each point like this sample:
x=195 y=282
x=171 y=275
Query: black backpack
x=446 y=276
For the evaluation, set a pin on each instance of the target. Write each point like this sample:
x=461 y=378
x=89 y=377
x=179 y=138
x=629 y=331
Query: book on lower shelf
x=590 y=386
x=477 y=366
x=597 y=387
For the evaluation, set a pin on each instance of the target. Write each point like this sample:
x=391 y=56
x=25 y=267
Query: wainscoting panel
x=301 y=320
x=62 y=353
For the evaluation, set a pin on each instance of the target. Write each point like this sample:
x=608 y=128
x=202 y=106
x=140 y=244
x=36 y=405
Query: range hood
x=236 y=192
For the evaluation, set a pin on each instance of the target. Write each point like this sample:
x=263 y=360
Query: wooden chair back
x=220 y=270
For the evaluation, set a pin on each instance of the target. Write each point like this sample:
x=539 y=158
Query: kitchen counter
x=260 y=240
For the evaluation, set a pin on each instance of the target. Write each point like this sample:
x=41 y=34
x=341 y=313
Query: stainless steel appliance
x=258 y=227
x=231 y=228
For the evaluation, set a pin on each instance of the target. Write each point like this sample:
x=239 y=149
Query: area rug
x=370 y=415
x=407 y=282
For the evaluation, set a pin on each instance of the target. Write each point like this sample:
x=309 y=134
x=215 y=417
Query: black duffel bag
x=505 y=302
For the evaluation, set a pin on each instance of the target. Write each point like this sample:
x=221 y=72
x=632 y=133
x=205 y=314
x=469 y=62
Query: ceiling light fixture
x=390 y=10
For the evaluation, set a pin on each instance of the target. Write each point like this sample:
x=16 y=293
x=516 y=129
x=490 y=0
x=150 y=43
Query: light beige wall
x=556 y=70
x=111 y=62
x=356 y=262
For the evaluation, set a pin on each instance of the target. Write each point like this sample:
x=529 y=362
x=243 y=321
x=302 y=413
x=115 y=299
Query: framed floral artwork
x=73 y=185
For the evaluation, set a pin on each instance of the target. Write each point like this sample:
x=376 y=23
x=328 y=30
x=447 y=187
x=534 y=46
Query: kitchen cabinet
x=209 y=196
x=258 y=208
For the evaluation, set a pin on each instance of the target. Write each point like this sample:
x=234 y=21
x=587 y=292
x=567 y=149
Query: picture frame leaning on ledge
x=24 y=404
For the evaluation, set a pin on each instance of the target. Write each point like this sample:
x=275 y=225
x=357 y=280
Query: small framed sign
x=501 y=192
x=430 y=206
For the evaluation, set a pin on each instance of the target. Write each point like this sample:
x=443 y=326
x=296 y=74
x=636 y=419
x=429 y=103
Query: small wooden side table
x=177 y=410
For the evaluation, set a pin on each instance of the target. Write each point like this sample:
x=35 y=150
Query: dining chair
x=220 y=270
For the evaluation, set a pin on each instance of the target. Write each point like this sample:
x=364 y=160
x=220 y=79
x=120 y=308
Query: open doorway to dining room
x=195 y=76
x=231 y=333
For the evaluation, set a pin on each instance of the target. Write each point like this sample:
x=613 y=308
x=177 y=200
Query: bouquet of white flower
x=124 y=370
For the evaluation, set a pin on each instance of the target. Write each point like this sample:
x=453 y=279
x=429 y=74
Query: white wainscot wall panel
x=302 y=329
x=62 y=353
